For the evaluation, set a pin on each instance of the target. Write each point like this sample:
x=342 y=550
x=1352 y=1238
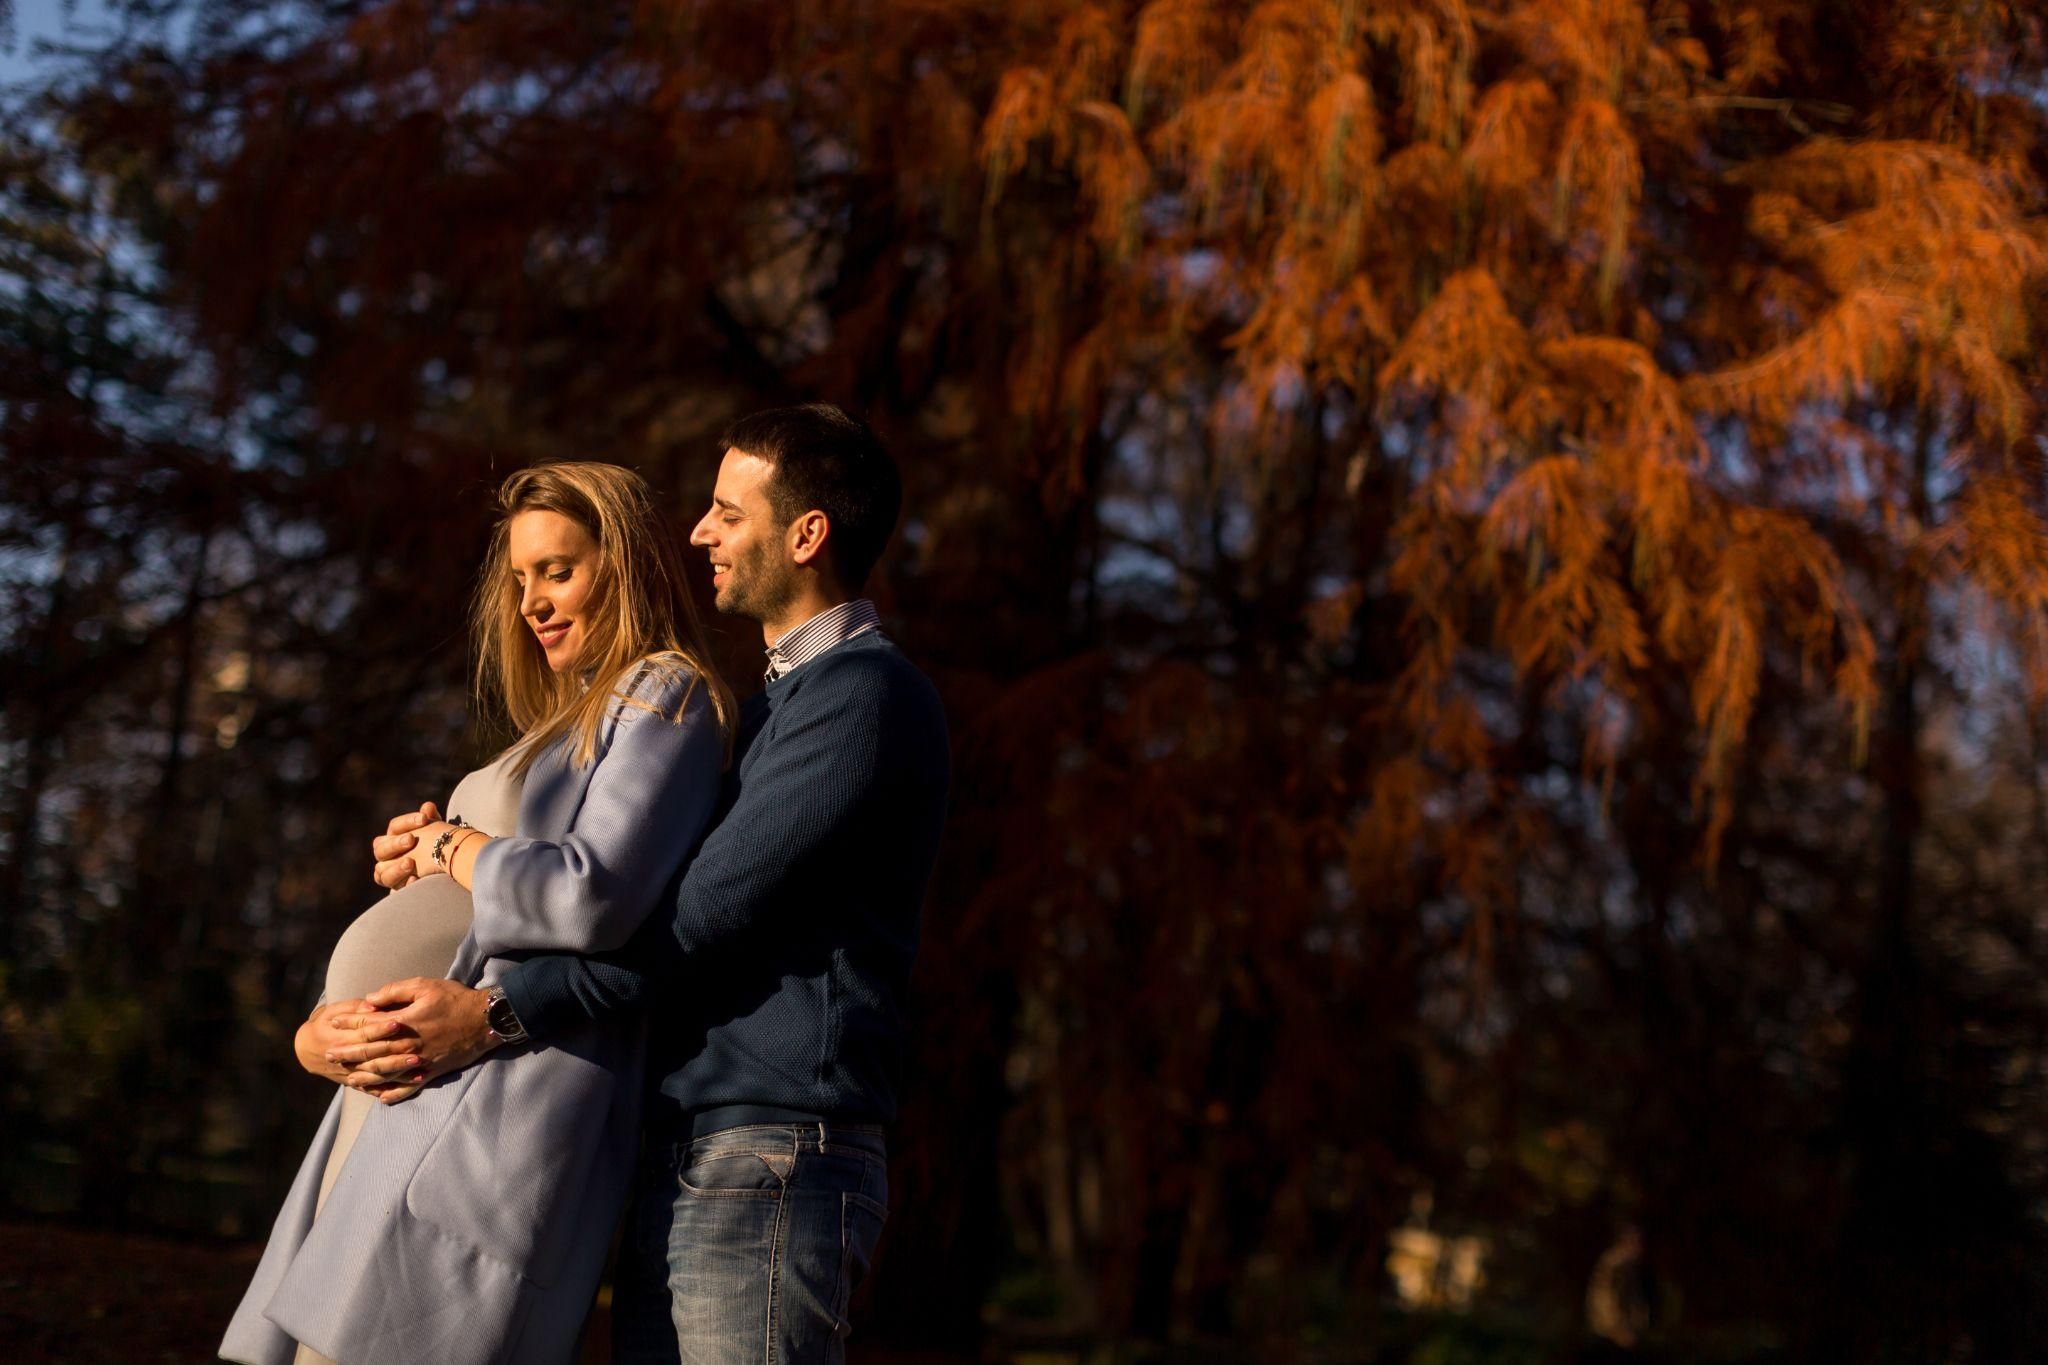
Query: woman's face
x=554 y=564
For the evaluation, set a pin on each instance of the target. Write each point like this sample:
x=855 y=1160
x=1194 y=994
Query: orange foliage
x=1569 y=503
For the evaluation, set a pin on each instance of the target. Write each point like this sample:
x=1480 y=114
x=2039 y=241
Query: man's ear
x=808 y=532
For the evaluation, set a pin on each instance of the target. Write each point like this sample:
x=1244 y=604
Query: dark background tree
x=1486 y=563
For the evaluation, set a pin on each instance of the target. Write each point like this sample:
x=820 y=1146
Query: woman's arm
x=647 y=803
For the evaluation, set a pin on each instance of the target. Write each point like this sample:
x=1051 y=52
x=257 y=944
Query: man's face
x=752 y=570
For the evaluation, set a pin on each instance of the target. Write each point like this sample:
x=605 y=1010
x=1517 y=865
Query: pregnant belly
x=414 y=931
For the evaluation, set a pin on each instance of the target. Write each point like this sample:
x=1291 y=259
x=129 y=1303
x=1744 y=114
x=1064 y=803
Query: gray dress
x=468 y=1225
x=414 y=931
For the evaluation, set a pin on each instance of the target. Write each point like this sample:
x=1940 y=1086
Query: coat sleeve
x=646 y=805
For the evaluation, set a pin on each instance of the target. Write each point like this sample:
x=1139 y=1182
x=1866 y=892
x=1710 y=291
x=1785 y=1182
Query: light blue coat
x=469 y=1223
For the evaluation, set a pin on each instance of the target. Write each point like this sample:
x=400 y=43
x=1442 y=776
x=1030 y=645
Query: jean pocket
x=860 y=1229
x=737 y=1173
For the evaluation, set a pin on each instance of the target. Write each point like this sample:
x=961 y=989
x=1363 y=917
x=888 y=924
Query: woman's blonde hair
x=639 y=611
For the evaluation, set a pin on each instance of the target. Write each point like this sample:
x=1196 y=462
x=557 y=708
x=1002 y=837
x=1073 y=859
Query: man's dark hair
x=831 y=462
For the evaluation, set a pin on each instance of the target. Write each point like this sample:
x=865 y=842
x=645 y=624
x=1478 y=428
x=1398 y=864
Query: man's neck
x=805 y=608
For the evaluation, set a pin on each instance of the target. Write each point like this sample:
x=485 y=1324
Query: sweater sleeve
x=648 y=799
x=553 y=992
x=806 y=788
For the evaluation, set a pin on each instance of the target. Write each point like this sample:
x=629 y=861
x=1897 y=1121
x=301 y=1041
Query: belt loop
x=821 y=1134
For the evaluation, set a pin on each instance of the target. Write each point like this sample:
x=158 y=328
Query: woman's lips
x=551 y=634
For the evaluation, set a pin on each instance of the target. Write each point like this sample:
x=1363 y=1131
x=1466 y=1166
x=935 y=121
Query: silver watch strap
x=495 y=1002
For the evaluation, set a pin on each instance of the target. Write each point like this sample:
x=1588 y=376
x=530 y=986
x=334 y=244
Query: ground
x=97 y=1298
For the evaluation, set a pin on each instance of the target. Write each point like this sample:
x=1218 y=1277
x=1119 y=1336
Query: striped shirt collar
x=828 y=628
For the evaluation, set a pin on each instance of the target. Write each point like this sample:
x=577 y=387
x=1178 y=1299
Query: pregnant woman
x=470 y=1224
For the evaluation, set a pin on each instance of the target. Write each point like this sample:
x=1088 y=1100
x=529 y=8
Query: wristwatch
x=499 y=1017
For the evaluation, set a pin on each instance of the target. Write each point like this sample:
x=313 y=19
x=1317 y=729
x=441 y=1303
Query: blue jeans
x=743 y=1246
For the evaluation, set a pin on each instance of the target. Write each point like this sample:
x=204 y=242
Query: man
x=776 y=988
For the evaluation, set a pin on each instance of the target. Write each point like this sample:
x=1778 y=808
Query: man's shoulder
x=867 y=682
x=869 y=663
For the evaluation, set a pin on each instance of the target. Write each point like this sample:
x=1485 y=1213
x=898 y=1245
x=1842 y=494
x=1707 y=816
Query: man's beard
x=762 y=594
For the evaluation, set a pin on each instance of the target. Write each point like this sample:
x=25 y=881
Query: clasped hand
x=400 y=857
x=396 y=1039
x=336 y=1035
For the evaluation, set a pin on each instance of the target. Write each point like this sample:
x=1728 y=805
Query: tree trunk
x=1886 y=1219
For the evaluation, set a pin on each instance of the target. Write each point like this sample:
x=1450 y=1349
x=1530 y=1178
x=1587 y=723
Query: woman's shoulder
x=660 y=681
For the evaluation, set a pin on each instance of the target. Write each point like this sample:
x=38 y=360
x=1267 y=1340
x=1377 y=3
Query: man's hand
x=393 y=849
x=348 y=1024
x=445 y=1030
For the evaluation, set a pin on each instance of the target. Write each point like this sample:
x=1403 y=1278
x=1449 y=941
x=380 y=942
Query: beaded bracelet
x=456 y=824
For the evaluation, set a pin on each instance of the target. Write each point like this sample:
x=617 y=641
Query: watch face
x=500 y=1017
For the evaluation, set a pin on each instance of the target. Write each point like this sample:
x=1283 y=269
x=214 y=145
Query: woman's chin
x=562 y=658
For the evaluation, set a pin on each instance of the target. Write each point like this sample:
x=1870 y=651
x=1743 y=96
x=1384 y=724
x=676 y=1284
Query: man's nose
x=700 y=534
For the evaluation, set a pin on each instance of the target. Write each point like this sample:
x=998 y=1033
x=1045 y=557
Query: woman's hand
x=394 y=849
x=423 y=857
x=394 y=1093
x=464 y=843
x=346 y=1023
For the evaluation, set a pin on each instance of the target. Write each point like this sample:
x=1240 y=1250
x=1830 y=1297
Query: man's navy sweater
x=780 y=979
